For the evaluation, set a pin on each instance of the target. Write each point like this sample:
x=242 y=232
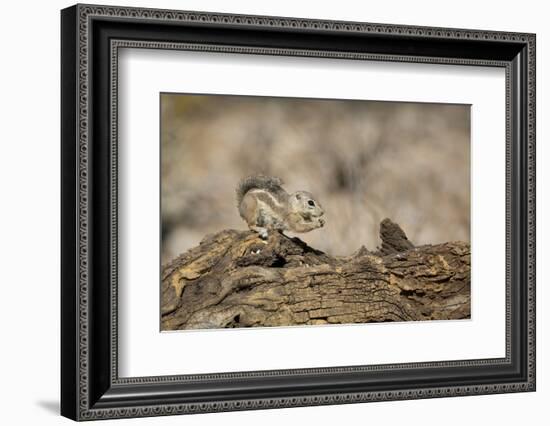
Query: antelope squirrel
x=266 y=206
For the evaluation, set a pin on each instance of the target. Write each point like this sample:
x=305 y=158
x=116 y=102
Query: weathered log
x=234 y=279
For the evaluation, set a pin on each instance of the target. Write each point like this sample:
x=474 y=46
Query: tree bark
x=234 y=279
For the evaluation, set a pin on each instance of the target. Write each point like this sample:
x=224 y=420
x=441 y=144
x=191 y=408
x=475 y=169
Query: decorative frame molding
x=91 y=37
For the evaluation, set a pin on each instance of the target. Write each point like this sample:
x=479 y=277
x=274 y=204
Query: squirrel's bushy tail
x=269 y=183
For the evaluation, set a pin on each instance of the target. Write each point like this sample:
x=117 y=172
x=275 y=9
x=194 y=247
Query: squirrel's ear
x=298 y=196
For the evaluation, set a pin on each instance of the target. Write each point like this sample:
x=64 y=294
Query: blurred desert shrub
x=363 y=160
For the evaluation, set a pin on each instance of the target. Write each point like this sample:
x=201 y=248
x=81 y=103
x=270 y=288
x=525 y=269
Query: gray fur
x=269 y=183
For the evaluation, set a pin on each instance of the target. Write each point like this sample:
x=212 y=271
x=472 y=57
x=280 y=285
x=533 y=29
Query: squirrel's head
x=304 y=203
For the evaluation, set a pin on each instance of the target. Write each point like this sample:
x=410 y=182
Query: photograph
x=280 y=212
x=270 y=208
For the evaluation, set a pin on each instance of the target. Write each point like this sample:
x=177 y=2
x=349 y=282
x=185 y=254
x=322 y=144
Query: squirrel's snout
x=322 y=222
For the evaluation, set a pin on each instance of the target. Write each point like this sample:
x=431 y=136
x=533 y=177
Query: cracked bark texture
x=234 y=279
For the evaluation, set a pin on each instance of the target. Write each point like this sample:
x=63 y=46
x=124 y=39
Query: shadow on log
x=234 y=279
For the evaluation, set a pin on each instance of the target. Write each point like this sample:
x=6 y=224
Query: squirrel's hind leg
x=261 y=224
x=263 y=232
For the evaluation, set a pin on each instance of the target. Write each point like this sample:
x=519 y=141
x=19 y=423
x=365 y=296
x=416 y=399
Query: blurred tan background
x=362 y=160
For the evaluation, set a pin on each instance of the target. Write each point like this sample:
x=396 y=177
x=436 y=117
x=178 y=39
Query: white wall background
x=29 y=212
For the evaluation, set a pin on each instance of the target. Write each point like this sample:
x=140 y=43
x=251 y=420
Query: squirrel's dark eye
x=311 y=203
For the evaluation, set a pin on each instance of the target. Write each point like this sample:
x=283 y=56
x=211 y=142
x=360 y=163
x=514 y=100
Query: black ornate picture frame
x=90 y=385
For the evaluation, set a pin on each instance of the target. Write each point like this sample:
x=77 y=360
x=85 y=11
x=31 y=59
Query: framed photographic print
x=263 y=212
